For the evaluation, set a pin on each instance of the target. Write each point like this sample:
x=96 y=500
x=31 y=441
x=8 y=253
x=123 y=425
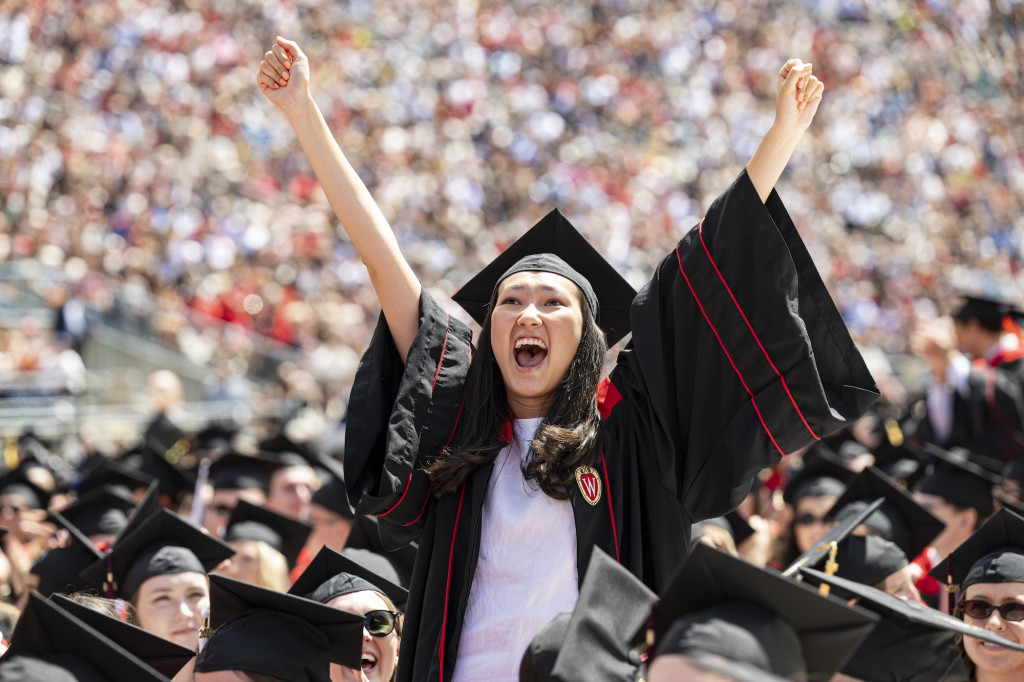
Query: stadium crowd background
x=138 y=157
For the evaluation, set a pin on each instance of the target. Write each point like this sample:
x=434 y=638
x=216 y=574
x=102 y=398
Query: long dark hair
x=567 y=437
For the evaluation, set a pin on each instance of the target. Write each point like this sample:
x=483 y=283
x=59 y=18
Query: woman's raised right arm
x=284 y=79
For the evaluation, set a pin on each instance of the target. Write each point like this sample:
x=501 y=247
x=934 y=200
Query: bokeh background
x=157 y=211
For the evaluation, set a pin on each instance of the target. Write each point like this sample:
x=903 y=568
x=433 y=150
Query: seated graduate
x=159 y=565
x=266 y=636
x=267 y=545
x=57 y=643
x=508 y=496
x=344 y=583
x=987 y=571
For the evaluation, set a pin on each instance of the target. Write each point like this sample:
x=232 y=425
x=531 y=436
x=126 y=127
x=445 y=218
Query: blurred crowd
x=137 y=155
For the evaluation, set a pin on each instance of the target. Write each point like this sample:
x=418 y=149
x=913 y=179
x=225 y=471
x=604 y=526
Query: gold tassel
x=831 y=566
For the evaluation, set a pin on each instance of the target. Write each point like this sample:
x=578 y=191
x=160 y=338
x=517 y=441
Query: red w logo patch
x=589 y=483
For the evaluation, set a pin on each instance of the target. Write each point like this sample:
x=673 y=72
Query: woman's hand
x=284 y=75
x=799 y=95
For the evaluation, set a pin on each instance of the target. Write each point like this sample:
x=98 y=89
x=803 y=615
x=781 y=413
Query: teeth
x=531 y=342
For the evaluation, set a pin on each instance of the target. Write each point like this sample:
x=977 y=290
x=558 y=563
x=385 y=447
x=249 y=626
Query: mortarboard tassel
x=831 y=566
x=204 y=629
x=893 y=432
x=109 y=586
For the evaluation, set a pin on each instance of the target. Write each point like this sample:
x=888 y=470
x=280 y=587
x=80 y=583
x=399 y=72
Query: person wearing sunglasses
x=343 y=583
x=988 y=571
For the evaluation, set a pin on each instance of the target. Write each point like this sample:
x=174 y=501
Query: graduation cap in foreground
x=721 y=607
x=900 y=519
x=59 y=569
x=278 y=634
x=282 y=533
x=833 y=535
x=162 y=544
x=100 y=512
x=594 y=640
x=958 y=480
x=554 y=245
x=161 y=654
x=912 y=643
x=331 y=575
x=993 y=554
x=50 y=644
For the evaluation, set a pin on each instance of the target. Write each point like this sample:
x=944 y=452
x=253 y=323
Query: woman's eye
x=509 y=301
x=555 y=302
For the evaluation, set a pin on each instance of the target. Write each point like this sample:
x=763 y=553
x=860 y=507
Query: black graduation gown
x=738 y=356
x=989 y=420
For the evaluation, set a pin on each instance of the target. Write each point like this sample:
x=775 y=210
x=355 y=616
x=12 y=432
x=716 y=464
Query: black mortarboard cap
x=331 y=575
x=332 y=495
x=893 y=607
x=595 y=642
x=282 y=444
x=563 y=245
x=900 y=519
x=835 y=534
x=958 y=480
x=18 y=482
x=100 y=512
x=993 y=554
x=233 y=470
x=173 y=480
x=278 y=634
x=108 y=473
x=989 y=310
x=866 y=560
x=214 y=437
x=58 y=569
x=712 y=587
x=251 y=522
x=164 y=543
x=49 y=634
x=823 y=473
x=162 y=434
x=163 y=655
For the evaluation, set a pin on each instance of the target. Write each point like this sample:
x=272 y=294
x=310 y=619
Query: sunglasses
x=381 y=623
x=980 y=609
x=808 y=519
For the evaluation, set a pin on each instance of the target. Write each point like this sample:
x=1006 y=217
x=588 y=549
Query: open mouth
x=530 y=352
x=369 y=662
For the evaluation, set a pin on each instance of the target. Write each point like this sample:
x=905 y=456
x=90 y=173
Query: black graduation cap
x=108 y=473
x=556 y=243
x=233 y=470
x=163 y=655
x=365 y=534
x=214 y=437
x=174 y=481
x=958 y=480
x=164 y=543
x=822 y=474
x=331 y=575
x=162 y=434
x=866 y=560
x=988 y=309
x=835 y=534
x=903 y=645
x=58 y=569
x=18 y=482
x=724 y=606
x=900 y=519
x=594 y=641
x=251 y=522
x=278 y=634
x=281 y=444
x=49 y=644
x=333 y=495
x=993 y=554
x=101 y=511
x=732 y=523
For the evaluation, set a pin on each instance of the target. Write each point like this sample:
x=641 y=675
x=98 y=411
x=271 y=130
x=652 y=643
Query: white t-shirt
x=526 y=571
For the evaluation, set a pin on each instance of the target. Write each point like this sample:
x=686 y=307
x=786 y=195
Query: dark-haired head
x=498 y=388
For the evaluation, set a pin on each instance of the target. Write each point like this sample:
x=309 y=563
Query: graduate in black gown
x=738 y=357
